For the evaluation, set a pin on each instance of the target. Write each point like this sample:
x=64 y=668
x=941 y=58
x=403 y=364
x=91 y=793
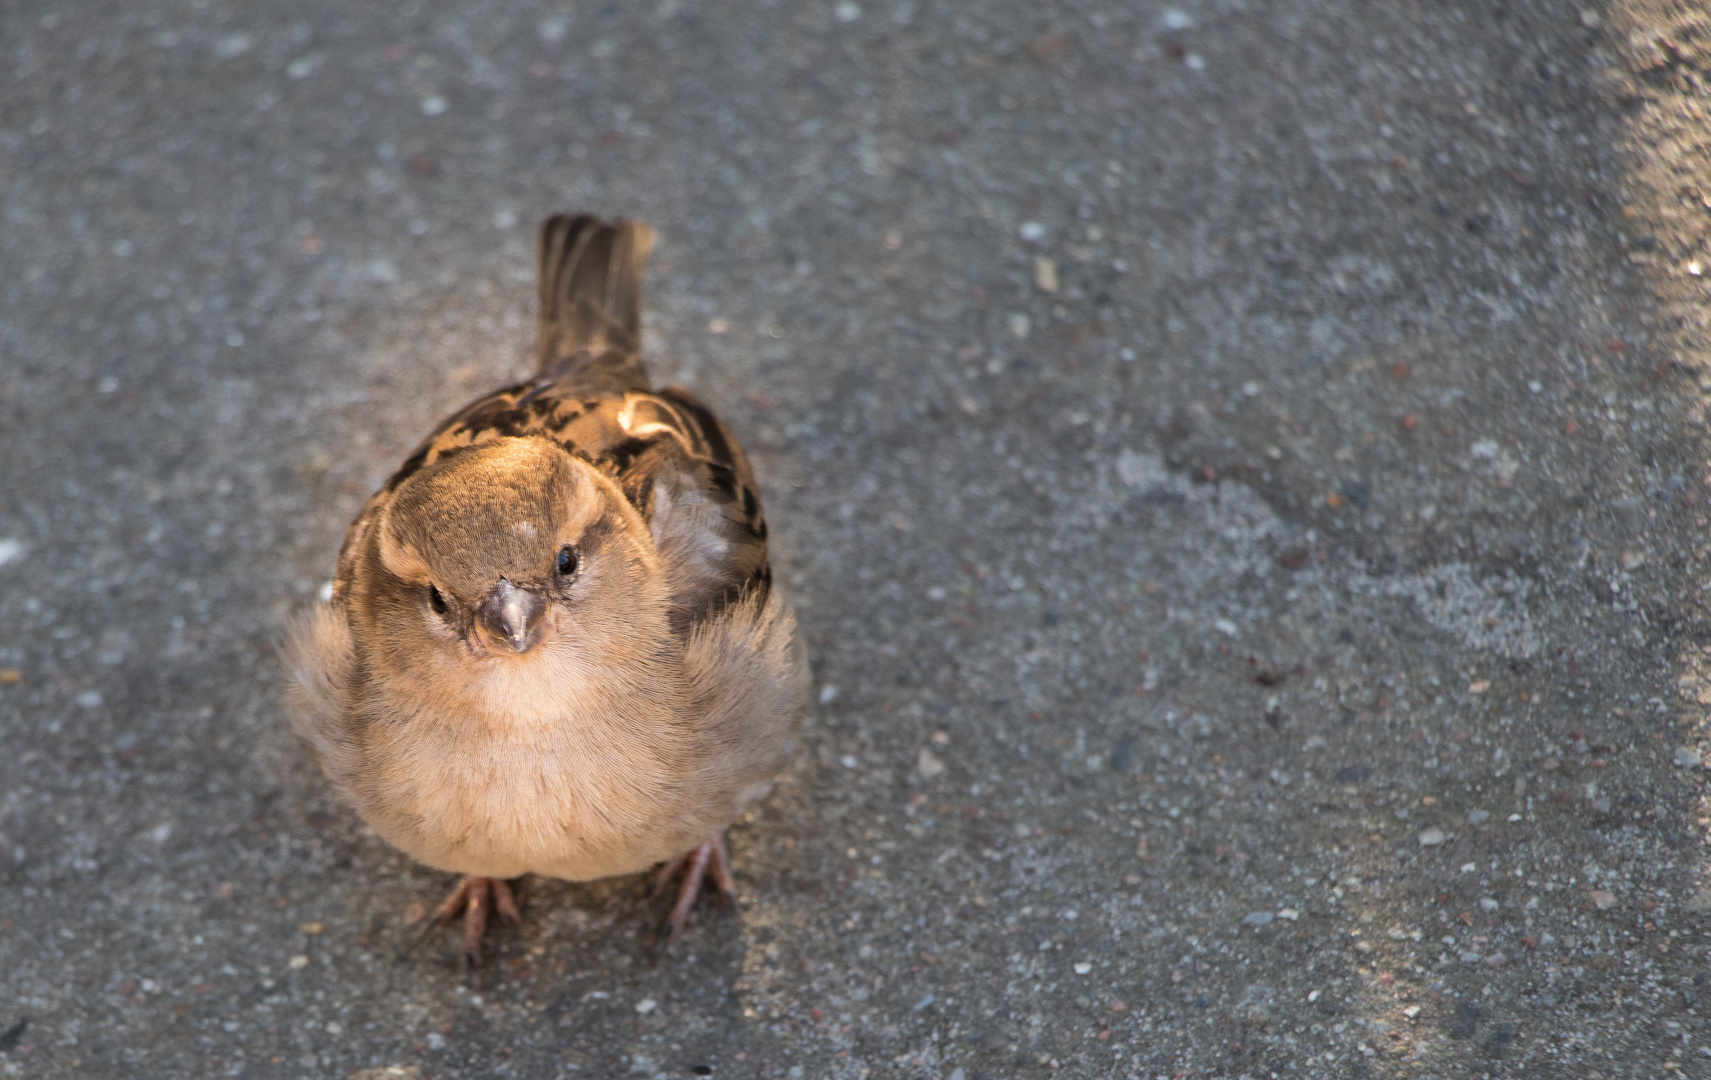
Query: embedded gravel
x=1241 y=467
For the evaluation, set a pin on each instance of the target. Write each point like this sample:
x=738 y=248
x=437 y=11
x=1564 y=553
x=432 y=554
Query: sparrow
x=554 y=644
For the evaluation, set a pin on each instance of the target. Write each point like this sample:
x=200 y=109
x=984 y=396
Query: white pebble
x=434 y=105
x=846 y=12
x=828 y=694
x=90 y=699
x=11 y=550
x=228 y=48
x=298 y=961
x=1031 y=231
x=1175 y=19
x=646 y=1005
x=928 y=764
x=1431 y=837
x=1045 y=274
x=1083 y=968
x=1685 y=756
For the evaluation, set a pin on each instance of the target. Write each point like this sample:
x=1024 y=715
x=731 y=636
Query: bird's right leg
x=475 y=898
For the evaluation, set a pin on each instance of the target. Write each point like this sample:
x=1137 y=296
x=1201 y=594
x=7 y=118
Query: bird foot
x=709 y=857
x=476 y=898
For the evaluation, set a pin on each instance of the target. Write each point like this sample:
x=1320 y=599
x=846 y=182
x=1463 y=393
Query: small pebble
x=928 y=764
x=1258 y=918
x=1495 y=959
x=1292 y=914
x=1478 y=817
x=434 y=105
x=646 y=1005
x=1602 y=899
x=1045 y=275
x=1031 y=231
x=10 y=676
x=1083 y=968
x=90 y=699
x=11 y=550
x=298 y=961
x=1431 y=837
x=310 y=928
x=1687 y=757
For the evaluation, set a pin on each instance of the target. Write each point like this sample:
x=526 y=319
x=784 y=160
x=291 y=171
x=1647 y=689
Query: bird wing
x=676 y=463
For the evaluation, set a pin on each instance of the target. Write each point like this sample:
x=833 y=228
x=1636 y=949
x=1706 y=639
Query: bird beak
x=511 y=616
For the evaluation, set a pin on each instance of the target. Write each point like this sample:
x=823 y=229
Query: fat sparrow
x=554 y=645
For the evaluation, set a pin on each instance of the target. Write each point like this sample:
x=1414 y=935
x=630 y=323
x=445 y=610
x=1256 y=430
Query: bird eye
x=566 y=561
x=436 y=601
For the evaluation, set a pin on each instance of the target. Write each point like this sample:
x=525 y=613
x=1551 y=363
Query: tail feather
x=590 y=322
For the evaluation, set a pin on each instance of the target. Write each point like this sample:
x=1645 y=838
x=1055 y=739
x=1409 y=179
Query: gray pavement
x=1242 y=468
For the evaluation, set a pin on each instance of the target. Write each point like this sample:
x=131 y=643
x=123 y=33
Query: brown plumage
x=554 y=645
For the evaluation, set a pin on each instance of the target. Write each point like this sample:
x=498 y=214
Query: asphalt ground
x=1241 y=468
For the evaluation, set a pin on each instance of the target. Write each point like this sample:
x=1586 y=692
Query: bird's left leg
x=709 y=857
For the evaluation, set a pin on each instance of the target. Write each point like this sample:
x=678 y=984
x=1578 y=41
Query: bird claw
x=708 y=858
x=475 y=898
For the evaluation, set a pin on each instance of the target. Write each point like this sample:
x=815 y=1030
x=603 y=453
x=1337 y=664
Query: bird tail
x=590 y=323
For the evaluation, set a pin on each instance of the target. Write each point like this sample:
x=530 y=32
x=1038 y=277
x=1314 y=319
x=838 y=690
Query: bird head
x=501 y=554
